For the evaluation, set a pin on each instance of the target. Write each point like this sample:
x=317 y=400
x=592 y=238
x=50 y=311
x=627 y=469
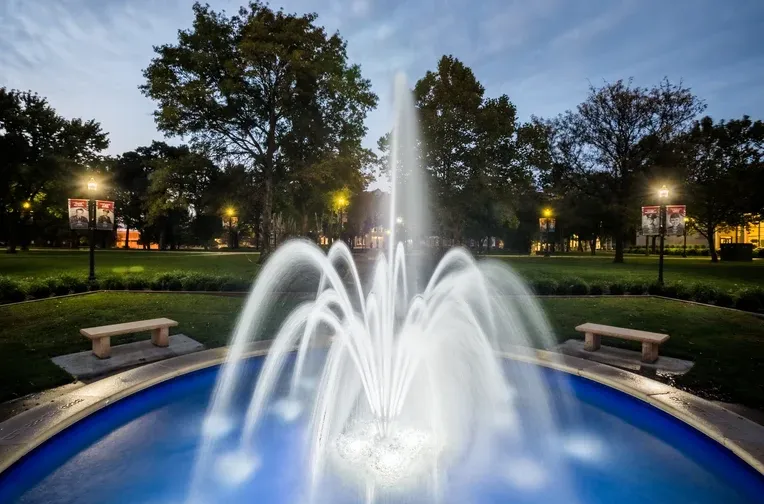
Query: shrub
x=578 y=287
x=174 y=284
x=545 y=287
x=692 y=252
x=637 y=288
x=760 y=253
x=192 y=282
x=113 y=283
x=704 y=293
x=724 y=299
x=677 y=291
x=234 y=285
x=705 y=252
x=135 y=282
x=655 y=289
x=94 y=285
x=38 y=289
x=616 y=289
x=58 y=286
x=596 y=290
x=749 y=300
x=75 y=284
x=11 y=291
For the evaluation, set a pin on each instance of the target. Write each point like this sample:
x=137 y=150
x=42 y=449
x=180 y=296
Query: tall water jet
x=399 y=392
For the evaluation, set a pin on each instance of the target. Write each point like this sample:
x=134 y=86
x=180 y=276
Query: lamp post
x=92 y=187
x=340 y=201
x=684 y=247
x=548 y=216
x=230 y=212
x=662 y=194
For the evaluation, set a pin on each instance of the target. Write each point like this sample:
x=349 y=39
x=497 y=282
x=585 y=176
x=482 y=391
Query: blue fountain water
x=614 y=449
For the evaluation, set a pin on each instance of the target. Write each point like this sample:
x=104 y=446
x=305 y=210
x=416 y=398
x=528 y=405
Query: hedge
x=13 y=290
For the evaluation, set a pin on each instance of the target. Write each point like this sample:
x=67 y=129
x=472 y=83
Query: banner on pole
x=78 y=214
x=543 y=222
x=651 y=219
x=104 y=215
x=675 y=215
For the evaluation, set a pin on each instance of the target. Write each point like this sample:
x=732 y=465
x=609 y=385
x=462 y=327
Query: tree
x=723 y=162
x=620 y=131
x=130 y=175
x=245 y=87
x=478 y=157
x=39 y=150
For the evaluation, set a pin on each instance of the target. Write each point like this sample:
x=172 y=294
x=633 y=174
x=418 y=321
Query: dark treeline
x=273 y=113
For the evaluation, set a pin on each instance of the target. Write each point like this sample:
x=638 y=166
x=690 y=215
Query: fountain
x=409 y=382
x=397 y=389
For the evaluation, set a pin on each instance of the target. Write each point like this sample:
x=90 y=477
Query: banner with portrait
x=78 y=214
x=543 y=224
x=651 y=220
x=104 y=215
x=675 y=219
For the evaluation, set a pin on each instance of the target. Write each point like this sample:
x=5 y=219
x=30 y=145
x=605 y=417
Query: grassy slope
x=43 y=263
x=728 y=347
x=728 y=276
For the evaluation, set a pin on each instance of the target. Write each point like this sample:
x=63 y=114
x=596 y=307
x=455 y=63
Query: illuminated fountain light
x=525 y=474
x=583 y=447
x=236 y=467
x=406 y=453
x=288 y=409
x=216 y=426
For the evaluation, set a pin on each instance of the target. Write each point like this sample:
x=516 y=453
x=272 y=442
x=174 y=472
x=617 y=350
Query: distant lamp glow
x=340 y=201
x=547 y=212
x=26 y=205
x=92 y=185
x=230 y=211
x=399 y=220
x=663 y=192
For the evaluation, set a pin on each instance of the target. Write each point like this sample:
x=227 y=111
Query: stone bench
x=650 y=341
x=100 y=336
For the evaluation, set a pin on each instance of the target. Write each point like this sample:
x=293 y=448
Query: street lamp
x=92 y=188
x=548 y=216
x=26 y=205
x=684 y=248
x=230 y=212
x=340 y=201
x=663 y=195
x=399 y=220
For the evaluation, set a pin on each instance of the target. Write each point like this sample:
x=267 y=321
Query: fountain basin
x=133 y=438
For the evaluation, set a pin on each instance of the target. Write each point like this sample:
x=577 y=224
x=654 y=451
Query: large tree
x=724 y=162
x=477 y=155
x=40 y=150
x=621 y=131
x=249 y=86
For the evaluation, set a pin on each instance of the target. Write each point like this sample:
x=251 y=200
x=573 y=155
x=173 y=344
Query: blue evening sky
x=86 y=56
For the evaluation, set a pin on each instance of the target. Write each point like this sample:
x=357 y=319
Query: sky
x=87 y=56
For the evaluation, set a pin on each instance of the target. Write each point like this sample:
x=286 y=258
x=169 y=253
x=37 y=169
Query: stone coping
x=21 y=434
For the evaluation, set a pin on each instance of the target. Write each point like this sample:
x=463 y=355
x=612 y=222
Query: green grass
x=45 y=263
x=728 y=276
x=727 y=347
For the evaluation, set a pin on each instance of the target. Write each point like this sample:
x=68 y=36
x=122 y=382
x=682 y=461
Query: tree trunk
x=265 y=219
x=712 y=243
x=127 y=237
x=618 y=247
x=593 y=245
x=304 y=230
x=580 y=245
x=12 y=234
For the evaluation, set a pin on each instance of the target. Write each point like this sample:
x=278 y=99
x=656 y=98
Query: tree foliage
x=722 y=160
x=40 y=151
x=622 y=131
x=260 y=87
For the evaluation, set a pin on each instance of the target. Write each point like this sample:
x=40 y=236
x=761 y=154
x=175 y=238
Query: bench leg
x=592 y=342
x=161 y=337
x=102 y=347
x=649 y=352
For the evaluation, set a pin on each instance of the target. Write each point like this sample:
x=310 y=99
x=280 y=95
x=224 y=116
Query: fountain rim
x=21 y=434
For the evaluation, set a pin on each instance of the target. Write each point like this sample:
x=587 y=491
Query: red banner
x=104 y=215
x=78 y=214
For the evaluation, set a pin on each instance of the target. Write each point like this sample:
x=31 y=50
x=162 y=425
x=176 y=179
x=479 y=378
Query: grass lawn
x=45 y=263
x=599 y=269
x=728 y=347
x=729 y=276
